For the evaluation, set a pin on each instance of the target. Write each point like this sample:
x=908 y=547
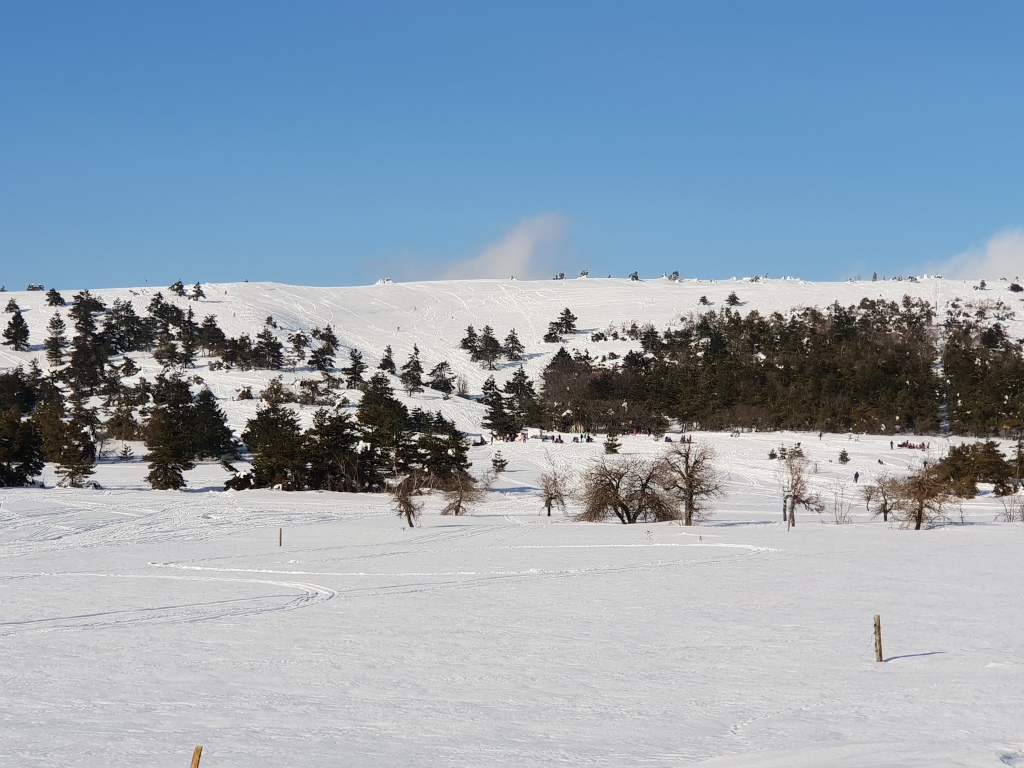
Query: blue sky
x=336 y=143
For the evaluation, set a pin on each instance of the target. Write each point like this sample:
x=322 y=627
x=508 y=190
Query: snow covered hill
x=434 y=316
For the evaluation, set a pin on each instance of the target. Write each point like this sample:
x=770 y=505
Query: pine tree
x=21 y=448
x=275 y=441
x=521 y=401
x=268 y=352
x=732 y=299
x=353 y=372
x=177 y=288
x=412 y=373
x=16 y=333
x=499 y=462
x=553 y=336
x=54 y=299
x=385 y=424
x=844 y=457
x=488 y=349
x=612 y=443
x=124 y=331
x=211 y=436
x=497 y=418
x=75 y=454
x=567 y=322
x=469 y=341
x=197 y=292
x=169 y=447
x=441 y=379
x=88 y=350
x=513 y=348
x=322 y=358
x=334 y=460
x=387 y=362
x=12 y=306
x=211 y=337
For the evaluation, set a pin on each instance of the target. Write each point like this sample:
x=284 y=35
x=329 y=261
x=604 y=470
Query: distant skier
x=856 y=476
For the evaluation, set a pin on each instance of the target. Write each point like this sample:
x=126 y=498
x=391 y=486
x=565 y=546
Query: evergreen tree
x=469 y=341
x=567 y=322
x=169 y=446
x=554 y=335
x=124 y=331
x=488 y=349
x=211 y=337
x=300 y=343
x=166 y=352
x=21 y=448
x=412 y=373
x=54 y=299
x=498 y=462
x=441 y=378
x=732 y=299
x=75 y=453
x=521 y=401
x=497 y=418
x=16 y=333
x=197 y=292
x=268 y=352
x=612 y=443
x=387 y=362
x=12 y=306
x=210 y=434
x=353 y=372
x=88 y=351
x=177 y=288
x=275 y=441
x=334 y=460
x=513 y=348
x=385 y=424
x=322 y=358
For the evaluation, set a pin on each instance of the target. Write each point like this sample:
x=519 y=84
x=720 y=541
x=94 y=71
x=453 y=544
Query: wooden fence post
x=280 y=536
x=195 y=757
x=878 y=638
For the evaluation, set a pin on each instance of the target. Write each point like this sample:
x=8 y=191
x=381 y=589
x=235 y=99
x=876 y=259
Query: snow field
x=137 y=624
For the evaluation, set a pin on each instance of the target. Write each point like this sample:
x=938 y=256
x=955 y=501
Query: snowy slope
x=434 y=316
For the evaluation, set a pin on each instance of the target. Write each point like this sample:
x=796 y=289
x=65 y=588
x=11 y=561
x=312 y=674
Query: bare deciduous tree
x=922 y=497
x=880 y=496
x=554 y=486
x=689 y=471
x=465 y=492
x=842 y=502
x=403 y=497
x=796 y=489
x=631 y=488
x=1013 y=507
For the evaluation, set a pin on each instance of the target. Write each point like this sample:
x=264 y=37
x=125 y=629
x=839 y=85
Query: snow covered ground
x=136 y=624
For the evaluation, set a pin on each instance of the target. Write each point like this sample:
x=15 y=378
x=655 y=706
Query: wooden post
x=280 y=536
x=195 y=757
x=878 y=638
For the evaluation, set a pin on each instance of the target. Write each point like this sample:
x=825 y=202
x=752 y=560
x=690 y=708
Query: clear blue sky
x=331 y=143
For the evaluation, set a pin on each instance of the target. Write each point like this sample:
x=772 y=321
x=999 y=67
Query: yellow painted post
x=195 y=757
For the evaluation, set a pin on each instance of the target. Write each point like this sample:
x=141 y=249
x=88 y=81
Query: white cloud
x=1002 y=256
x=517 y=253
